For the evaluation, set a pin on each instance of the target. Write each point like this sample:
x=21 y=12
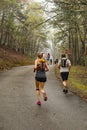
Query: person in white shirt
x=64 y=64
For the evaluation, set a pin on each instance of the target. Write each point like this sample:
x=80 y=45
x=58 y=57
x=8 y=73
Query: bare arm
x=35 y=65
x=47 y=68
x=69 y=65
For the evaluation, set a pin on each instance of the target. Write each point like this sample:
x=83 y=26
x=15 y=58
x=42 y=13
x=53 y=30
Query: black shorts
x=41 y=79
x=64 y=75
x=41 y=76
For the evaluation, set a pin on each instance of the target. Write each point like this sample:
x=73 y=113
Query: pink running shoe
x=38 y=103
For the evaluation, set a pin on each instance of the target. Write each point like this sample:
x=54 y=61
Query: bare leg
x=37 y=90
x=65 y=90
x=65 y=84
x=43 y=91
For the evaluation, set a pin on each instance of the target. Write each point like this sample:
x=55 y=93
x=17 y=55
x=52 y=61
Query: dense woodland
x=25 y=27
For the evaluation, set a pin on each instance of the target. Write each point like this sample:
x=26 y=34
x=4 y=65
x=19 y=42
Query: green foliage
x=70 y=23
x=19 y=25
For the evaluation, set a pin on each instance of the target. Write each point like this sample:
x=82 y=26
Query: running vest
x=63 y=63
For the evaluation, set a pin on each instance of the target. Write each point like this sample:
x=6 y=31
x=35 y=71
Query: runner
x=64 y=65
x=41 y=68
x=48 y=58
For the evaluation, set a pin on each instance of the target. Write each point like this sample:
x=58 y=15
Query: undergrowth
x=77 y=81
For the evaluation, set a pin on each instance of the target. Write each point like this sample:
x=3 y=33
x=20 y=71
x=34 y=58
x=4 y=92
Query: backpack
x=63 y=63
x=41 y=64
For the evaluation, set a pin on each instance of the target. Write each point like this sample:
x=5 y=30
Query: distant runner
x=48 y=58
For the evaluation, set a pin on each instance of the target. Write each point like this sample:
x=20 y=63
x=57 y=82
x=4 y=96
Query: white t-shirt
x=64 y=69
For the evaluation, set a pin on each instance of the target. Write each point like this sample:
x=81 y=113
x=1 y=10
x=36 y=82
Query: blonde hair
x=40 y=55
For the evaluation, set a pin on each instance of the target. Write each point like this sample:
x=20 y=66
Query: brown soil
x=10 y=58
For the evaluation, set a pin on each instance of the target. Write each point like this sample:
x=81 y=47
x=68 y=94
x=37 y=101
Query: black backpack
x=63 y=63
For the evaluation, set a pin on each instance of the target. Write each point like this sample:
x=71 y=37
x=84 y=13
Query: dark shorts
x=64 y=75
x=41 y=76
x=41 y=79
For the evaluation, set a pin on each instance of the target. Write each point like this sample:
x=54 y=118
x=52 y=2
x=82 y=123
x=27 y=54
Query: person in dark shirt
x=40 y=68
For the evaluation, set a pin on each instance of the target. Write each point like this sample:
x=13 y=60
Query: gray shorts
x=41 y=76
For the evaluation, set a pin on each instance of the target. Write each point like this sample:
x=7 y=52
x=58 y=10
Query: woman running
x=41 y=68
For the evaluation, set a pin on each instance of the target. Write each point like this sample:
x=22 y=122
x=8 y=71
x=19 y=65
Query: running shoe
x=65 y=91
x=45 y=98
x=38 y=103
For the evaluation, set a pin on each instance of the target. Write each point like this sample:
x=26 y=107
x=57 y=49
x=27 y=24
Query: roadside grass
x=77 y=80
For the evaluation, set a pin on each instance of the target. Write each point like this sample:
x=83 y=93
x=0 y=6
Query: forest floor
x=77 y=81
x=10 y=58
x=77 y=78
